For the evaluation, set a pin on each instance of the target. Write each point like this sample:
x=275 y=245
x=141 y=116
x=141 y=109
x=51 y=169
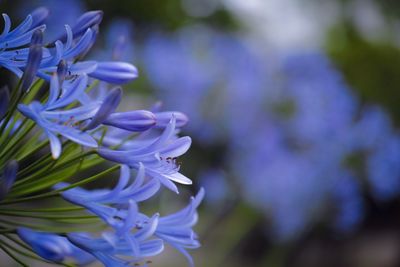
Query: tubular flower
x=176 y=228
x=55 y=122
x=72 y=45
x=53 y=247
x=34 y=59
x=60 y=124
x=118 y=208
x=158 y=157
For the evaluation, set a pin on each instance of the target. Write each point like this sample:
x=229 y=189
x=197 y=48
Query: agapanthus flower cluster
x=297 y=139
x=60 y=130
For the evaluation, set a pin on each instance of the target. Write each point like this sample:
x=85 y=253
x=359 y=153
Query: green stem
x=19 y=200
x=57 y=192
x=10 y=149
x=17 y=241
x=19 y=251
x=90 y=179
x=7 y=231
x=46 y=216
x=33 y=91
x=33 y=151
x=60 y=209
x=38 y=164
x=60 y=229
x=13 y=107
x=8 y=130
x=59 y=167
x=45 y=167
x=12 y=255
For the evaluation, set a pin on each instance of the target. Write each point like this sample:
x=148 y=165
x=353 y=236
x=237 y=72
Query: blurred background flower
x=294 y=114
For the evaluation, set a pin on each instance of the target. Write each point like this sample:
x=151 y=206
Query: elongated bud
x=4 y=101
x=95 y=33
x=45 y=245
x=163 y=118
x=53 y=247
x=34 y=59
x=136 y=121
x=62 y=69
x=87 y=20
x=115 y=72
x=8 y=178
x=109 y=105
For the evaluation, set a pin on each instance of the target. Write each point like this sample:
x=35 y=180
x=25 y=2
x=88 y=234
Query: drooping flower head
x=61 y=128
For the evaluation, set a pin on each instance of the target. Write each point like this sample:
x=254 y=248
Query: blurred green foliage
x=371 y=68
x=168 y=15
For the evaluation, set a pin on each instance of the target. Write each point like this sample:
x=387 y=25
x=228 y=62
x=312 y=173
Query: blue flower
x=164 y=117
x=80 y=112
x=134 y=121
x=120 y=252
x=134 y=233
x=123 y=218
x=34 y=59
x=347 y=196
x=383 y=169
x=109 y=105
x=292 y=147
x=53 y=247
x=176 y=228
x=12 y=56
x=53 y=122
x=125 y=190
x=86 y=21
x=49 y=13
x=77 y=41
x=115 y=72
x=158 y=157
